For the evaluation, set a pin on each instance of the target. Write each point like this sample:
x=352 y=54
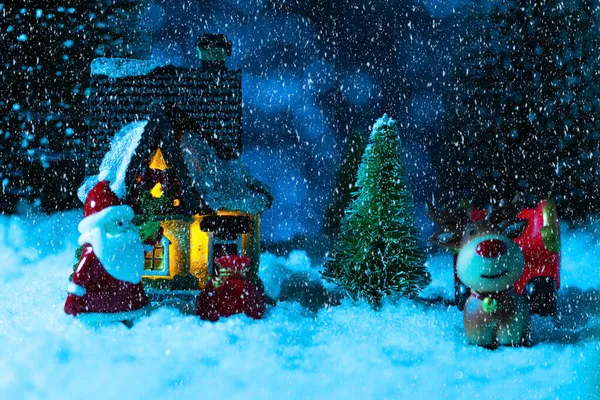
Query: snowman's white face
x=490 y=263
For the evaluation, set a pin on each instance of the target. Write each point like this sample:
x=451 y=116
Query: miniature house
x=169 y=140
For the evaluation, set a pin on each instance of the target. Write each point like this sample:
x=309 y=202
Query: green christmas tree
x=345 y=182
x=377 y=253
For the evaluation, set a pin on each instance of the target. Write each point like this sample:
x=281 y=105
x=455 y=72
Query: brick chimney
x=213 y=50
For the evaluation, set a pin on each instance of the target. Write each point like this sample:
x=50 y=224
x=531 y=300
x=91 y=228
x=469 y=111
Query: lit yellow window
x=157 y=191
x=155 y=260
x=157 y=161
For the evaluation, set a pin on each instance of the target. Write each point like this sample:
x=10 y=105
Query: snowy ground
x=406 y=349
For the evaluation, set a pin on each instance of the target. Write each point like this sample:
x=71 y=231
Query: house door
x=225 y=237
x=223 y=245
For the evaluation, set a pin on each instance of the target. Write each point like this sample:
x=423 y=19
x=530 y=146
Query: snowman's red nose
x=491 y=248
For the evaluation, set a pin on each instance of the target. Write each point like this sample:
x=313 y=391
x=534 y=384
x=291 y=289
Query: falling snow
x=492 y=98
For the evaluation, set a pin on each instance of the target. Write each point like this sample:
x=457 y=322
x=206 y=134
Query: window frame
x=164 y=271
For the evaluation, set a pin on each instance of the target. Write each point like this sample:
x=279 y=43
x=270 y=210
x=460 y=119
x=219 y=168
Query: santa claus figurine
x=230 y=292
x=106 y=286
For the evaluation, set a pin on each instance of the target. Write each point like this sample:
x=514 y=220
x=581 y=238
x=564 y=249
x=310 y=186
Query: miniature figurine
x=230 y=292
x=540 y=243
x=489 y=262
x=106 y=285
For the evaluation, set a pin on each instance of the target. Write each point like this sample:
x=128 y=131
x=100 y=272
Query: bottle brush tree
x=377 y=252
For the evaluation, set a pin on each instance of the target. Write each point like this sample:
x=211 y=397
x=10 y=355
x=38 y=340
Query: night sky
x=314 y=74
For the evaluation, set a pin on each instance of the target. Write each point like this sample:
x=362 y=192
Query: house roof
x=210 y=182
x=222 y=184
x=123 y=91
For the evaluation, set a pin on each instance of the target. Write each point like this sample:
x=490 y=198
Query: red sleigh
x=541 y=247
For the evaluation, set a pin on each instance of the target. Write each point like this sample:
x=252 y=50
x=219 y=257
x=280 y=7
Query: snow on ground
x=407 y=349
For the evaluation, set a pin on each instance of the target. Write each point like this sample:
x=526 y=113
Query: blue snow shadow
x=576 y=319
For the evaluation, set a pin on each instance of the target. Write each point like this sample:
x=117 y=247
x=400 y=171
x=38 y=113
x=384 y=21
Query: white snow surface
x=123 y=67
x=274 y=270
x=407 y=349
x=116 y=161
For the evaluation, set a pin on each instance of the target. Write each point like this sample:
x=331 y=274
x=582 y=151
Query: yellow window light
x=158 y=161
x=157 y=191
x=176 y=203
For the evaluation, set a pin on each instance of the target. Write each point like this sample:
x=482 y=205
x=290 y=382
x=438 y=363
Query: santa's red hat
x=101 y=205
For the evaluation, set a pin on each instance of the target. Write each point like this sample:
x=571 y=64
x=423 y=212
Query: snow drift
x=406 y=349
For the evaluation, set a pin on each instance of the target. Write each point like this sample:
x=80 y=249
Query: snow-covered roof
x=123 y=67
x=222 y=184
x=123 y=90
x=116 y=162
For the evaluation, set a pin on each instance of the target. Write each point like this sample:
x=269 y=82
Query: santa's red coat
x=104 y=293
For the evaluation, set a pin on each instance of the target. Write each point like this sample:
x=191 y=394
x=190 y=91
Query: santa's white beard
x=121 y=255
